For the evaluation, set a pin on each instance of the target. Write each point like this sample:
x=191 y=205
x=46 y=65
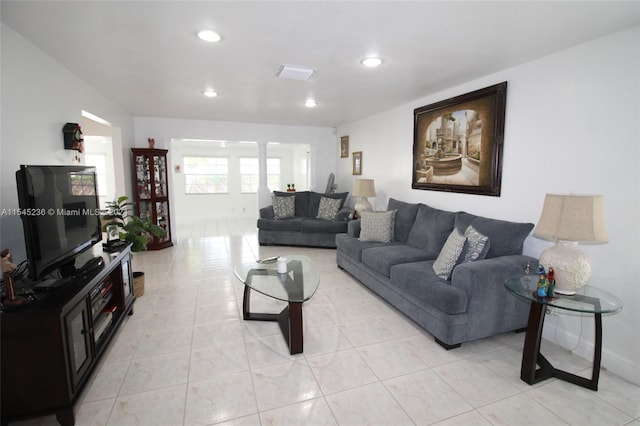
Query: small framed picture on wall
x=344 y=146
x=357 y=163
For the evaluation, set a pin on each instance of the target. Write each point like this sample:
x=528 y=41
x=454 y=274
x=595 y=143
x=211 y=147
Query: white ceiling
x=144 y=54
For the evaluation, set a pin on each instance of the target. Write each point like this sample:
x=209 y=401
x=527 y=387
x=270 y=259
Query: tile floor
x=187 y=358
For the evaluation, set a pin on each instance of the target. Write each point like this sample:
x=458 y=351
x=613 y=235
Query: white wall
x=190 y=206
x=572 y=125
x=38 y=97
x=322 y=141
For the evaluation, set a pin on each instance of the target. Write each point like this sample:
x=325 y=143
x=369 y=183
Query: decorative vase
x=571 y=266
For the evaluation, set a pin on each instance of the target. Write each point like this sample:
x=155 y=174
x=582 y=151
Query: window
x=249 y=179
x=273 y=173
x=99 y=161
x=249 y=176
x=206 y=175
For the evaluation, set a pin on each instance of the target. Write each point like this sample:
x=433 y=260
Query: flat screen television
x=59 y=209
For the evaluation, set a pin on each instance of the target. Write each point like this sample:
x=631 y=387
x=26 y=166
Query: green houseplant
x=132 y=229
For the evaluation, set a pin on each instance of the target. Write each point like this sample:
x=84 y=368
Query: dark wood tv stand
x=50 y=347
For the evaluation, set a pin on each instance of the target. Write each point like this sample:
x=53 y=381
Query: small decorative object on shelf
x=8 y=267
x=282 y=265
x=151 y=142
x=73 y=137
x=542 y=286
x=551 y=278
x=291 y=187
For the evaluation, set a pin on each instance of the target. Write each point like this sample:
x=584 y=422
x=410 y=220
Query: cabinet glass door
x=127 y=285
x=78 y=341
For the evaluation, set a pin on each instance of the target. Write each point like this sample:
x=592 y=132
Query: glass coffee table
x=295 y=287
x=588 y=300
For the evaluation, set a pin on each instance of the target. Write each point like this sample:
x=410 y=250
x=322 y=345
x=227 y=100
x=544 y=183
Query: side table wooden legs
x=531 y=356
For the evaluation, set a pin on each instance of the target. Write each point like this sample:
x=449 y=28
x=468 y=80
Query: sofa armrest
x=345 y=214
x=486 y=277
x=491 y=308
x=353 y=229
x=267 y=212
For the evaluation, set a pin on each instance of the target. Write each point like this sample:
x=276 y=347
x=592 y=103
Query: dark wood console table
x=51 y=346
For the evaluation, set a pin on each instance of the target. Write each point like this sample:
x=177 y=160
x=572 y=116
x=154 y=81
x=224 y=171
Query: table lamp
x=363 y=188
x=569 y=220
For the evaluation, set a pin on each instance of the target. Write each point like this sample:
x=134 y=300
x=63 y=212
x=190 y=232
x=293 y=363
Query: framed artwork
x=344 y=146
x=458 y=143
x=357 y=163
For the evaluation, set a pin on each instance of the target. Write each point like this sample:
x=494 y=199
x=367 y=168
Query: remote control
x=268 y=259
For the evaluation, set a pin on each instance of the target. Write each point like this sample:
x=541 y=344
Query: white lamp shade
x=364 y=188
x=572 y=218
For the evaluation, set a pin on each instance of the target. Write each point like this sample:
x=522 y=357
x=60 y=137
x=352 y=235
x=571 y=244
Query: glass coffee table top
x=587 y=300
x=297 y=285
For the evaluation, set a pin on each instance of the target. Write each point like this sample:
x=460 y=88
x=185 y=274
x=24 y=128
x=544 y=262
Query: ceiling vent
x=294 y=73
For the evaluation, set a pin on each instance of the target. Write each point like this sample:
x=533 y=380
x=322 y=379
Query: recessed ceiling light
x=371 y=62
x=210 y=93
x=310 y=103
x=208 y=35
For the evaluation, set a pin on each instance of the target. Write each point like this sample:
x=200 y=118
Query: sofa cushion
x=449 y=255
x=322 y=226
x=404 y=218
x=302 y=201
x=476 y=245
x=431 y=229
x=381 y=259
x=292 y=224
x=283 y=207
x=328 y=209
x=353 y=247
x=506 y=238
x=377 y=226
x=314 y=201
x=420 y=281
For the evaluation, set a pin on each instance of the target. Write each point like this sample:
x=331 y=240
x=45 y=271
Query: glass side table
x=587 y=300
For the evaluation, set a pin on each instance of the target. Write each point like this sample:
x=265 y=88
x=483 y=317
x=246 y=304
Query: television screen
x=60 y=212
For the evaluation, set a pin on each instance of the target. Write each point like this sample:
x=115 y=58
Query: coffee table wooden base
x=289 y=320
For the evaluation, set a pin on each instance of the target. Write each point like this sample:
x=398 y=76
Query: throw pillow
x=477 y=245
x=284 y=207
x=377 y=226
x=449 y=255
x=328 y=209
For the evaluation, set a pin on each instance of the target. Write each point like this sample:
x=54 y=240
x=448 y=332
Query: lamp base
x=571 y=265
x=363 y=205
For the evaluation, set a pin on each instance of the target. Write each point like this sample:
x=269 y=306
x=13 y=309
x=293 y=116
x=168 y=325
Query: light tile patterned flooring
x=187 y=358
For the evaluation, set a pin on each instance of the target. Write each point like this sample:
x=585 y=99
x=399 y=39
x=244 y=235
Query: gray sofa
x=305 y=228
x=472 y=303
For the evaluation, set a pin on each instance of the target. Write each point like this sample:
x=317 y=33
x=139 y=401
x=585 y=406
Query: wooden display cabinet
x=151 y=197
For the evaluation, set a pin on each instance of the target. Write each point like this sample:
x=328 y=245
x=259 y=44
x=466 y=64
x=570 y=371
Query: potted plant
x=132 y=229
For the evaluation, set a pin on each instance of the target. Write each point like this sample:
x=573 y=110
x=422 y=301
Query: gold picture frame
x=344 y=146
x=357 y=163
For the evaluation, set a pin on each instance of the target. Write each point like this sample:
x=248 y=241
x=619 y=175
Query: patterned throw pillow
x=329 y=208
x=284 y=207
x=477 y=245
x=378 y=226
x=449 y=255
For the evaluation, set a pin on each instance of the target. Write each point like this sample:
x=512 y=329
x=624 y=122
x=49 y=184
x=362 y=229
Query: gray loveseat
x=472 y=303
x=304 y=228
